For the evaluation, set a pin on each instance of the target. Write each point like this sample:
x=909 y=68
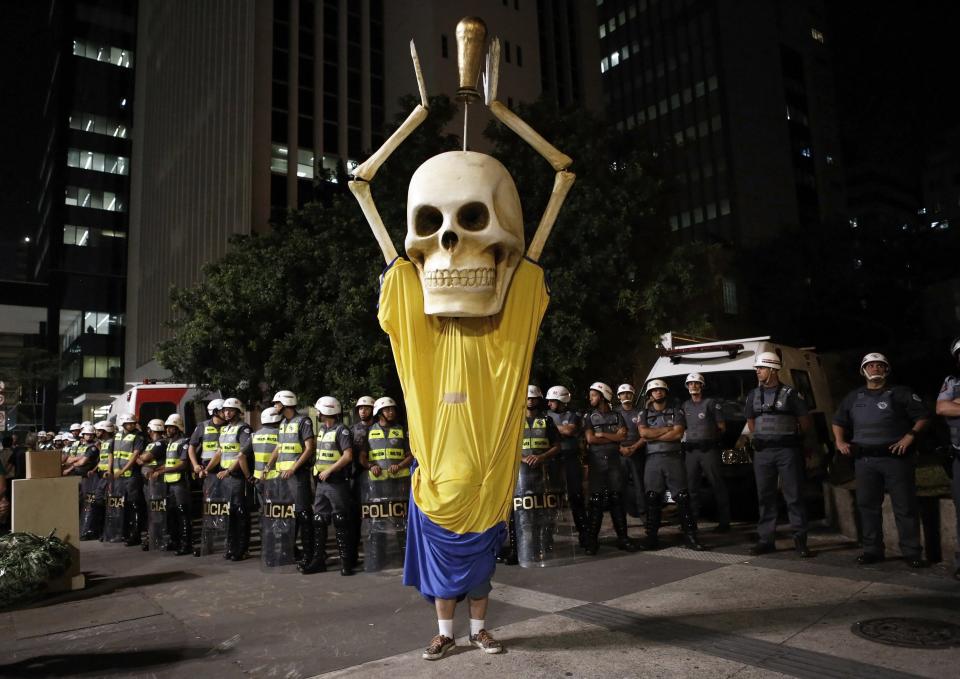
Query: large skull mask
x=464 y=233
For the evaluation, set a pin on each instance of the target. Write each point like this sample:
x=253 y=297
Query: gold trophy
x=471 y=46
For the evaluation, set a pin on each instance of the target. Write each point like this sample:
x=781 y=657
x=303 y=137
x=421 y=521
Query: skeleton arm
x=364 y=173
x=559 y=161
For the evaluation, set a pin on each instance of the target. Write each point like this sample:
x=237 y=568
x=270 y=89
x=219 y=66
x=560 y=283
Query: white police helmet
x=214 y=405
x=88 y=429
x=533 y=391
x=694 y=377
x=656 y=384
x=270 y=416
x=234 y=403
x=383 y=402
x=126 y=418
x=603 y=388
x=328 y=405
x=155 y=425
x=366 y=401
x=174 y=421
x=558 y=393
x=768 y=359
x=873 y=357
x=285 y=397
x=626 y=389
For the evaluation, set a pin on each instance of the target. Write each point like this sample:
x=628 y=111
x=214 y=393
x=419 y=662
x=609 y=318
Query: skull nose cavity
x=448 y=241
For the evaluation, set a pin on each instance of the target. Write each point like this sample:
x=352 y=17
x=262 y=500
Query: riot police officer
x=777 y=416
x=568 y=424
x=128 y=444
x=204 y=439
x=358 y=475
x=154 y=454
x=174 y=472
x=386 y=460
x=604 y=429
x=948 y=407
x=296 y=445
x=99 y=478
x=701 y=446
x=877 y=424
x=234 y=452
x=332 y=502
x=83 y=459
x=632 y=447
x=662 y=425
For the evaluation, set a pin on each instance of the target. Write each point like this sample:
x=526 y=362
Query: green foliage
x=27 y=563
x=296 y=308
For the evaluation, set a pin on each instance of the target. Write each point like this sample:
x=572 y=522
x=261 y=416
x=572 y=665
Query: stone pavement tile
x=552 y=646
x=744 y=600
x=832 y=633
x=82 y=614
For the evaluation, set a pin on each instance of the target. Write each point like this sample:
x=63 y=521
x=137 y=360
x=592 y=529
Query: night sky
x=896 y=74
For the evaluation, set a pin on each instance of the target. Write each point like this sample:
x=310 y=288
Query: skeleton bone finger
x=368 y=169
x=561 y=187
x=361 y=190
x=559 y=161
x=491 y=78
x=421 y=86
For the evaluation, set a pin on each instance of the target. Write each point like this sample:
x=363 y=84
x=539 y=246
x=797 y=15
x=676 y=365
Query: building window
x=806 y=152
x=305 y=163
x=79 y=196
x=98 y=162
x=519 y=56
x=603 y=31
x=604 y=65
x=114 y=55
x=729 y=295
x=100 y=367
x=816 y=35
x=278 y=159
x=725 y=206
x=83 y=236
x=506 y=51
x=96 y=124
x=444 y=50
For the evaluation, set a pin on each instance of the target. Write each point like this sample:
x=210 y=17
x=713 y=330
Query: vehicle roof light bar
x=675 y=354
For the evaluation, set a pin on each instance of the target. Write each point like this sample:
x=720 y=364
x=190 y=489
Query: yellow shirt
x=464 y=381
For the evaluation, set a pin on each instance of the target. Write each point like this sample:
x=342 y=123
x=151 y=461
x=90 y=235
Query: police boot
x=94 y=522
x=186 y=531
x=342 y=525
x=594 y=521
x=304 y=523
x=800 y=544
x=652 y=523
x=318 y=547
x=242 y=534
x=508 y=555
x=580 y=521
x=133 y=527
x=688 y=522
x=618 y=516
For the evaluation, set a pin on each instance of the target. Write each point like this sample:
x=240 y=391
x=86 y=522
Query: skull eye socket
x=473 y=216
x=427 y=221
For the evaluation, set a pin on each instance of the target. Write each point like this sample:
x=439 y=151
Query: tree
x=34 y=368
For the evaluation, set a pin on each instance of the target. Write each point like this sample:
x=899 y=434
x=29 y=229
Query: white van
x=157 y=400
x=727 y=367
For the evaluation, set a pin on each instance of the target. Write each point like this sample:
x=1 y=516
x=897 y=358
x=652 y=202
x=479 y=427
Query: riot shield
x=215 y=518
x=113 y=522
x=91 y=512
x=383 y=511
x=159 y=526
x=278 y=526
x=546 y=534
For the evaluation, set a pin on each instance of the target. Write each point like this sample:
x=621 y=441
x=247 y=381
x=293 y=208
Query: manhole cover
x=909 y=632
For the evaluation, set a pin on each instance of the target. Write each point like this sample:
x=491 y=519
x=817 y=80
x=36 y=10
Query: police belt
x=776 y=442
x=675 y=453
x=860 y=450
x=704 y=446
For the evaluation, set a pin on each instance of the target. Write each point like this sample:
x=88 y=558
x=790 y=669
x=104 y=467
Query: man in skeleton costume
x=462 y=312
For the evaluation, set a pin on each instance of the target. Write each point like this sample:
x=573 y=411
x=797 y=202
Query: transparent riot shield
x=278 y=526
x=215 y=517
x=383 y=510
x=113 y=522
x=546 y=534
x=91 y=516
x=158 y=518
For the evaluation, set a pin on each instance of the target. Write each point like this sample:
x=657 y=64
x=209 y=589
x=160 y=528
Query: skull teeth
x=460 y=278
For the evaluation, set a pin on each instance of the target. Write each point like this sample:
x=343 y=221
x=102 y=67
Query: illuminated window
x=98 y=162
x=114 y=55
x=816 y=35
x=79 y=196
x=97 y=124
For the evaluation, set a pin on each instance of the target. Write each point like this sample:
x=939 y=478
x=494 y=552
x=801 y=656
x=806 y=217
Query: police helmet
x=328 y=405
x=694 y=377
x=76 y=426
x=656 y=384
x=269 y=415
x=383 y=402
x=603 y=388
x=533 y=391
x=232 y=403
x=214 y=405
x=558 y=393
x=873 y=357
x=88 y=429
x=285 y=398
x=101 y=425
x=174 y=421
x=155 y=425
x=768 y=359
x=85 y=423
x=626 y=388
x=126 y=418
x=366 y=401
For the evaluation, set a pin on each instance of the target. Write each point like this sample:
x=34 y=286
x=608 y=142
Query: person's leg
x=677 y=482
x=479 y=598
x=765 y=471
x=792 y=469
x=441 y=644
x=902 y=486
x=693 y=463
x=711 y=464
x=869 y=503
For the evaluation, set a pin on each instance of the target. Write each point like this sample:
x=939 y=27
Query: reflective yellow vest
x=173 y=457
x=328 y=451
x=535 y=436
x=229 y=444
x=386 y=448
x=264 y=442
x=122 y=452
x=103 y=464
x=209 y=441
x=291 y=448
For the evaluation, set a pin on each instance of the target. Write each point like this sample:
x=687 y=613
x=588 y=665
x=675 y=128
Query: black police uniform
x=875 y=419
x=778 y=445
x=949 y=392
x=569 y=460
x=605 y=481
x=701 y=447
x=633 y=465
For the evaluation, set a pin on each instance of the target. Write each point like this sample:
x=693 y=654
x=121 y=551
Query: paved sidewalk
x=672 y=613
